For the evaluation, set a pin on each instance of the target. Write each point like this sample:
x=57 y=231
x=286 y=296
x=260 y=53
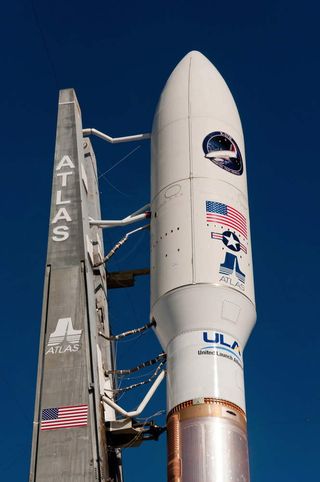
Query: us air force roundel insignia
x=230 y=240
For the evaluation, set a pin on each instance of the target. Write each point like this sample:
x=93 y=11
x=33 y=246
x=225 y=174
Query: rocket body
x=202 y=293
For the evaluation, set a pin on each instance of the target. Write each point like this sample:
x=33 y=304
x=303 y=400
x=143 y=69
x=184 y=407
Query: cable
x=155 y=414
x=139 y=384
x=44 y=42
x=119 y=244
x=116 y=189
x=118 y=162
x=130 y=332
x=138 y=367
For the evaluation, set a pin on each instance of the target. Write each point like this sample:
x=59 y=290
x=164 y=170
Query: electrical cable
x=139 y=384
x=141 y=329
x=118 y=162
x=147 y=363
x=119 y=244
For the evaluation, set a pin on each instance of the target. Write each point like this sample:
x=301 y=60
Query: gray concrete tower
x=69 y=438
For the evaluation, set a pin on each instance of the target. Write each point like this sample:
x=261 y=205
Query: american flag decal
x=228 y=216
x=64 y=417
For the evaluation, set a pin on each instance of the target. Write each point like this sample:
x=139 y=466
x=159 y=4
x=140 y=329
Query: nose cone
x=196 y=89
x=196 y=118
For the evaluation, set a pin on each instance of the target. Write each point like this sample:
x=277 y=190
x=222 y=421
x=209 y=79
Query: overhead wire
x=119 y=162
x=115 y=188
x=44 y=43
x=103 y=175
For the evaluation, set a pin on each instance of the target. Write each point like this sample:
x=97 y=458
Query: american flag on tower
x=64 y=417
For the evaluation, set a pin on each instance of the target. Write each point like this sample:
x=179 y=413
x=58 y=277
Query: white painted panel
x=170 y=155
x=171 y=250
x=173 y=104
x=209 y=94
x=199 y=368
x=222 y=241
x=202 y=306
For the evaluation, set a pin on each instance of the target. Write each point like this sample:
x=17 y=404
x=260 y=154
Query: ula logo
x=221 y=345
x=218 y=338
x=65 y=338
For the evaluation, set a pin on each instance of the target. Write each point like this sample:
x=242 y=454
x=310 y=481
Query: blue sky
x=118 y=55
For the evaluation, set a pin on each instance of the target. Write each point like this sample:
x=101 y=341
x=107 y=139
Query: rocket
x=202 y=292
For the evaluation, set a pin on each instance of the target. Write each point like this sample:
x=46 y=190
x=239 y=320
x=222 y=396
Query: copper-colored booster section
x=174 y=460
x=207 y=442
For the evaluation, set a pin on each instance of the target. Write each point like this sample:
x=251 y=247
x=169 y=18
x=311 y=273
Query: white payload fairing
x=202 y=293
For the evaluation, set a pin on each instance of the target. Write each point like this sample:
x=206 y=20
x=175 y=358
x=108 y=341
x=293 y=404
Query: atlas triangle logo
x=230 y=266
x=64 y=333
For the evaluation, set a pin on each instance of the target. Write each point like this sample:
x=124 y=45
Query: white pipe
x=132 y=218
x=144 y=402
x=136 y=230
x=121 y=243
x=141 y=210
x=122 y=222
x=115 y=140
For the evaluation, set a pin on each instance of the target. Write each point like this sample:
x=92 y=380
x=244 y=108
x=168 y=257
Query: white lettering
x=65 y=161
x=54 y=350
x=64 y=176
x=61 y=214
x=61 y=233
x=237 y=284
x=59 y=200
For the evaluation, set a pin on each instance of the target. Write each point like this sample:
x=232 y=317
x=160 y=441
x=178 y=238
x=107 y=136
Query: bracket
x=142 y=405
